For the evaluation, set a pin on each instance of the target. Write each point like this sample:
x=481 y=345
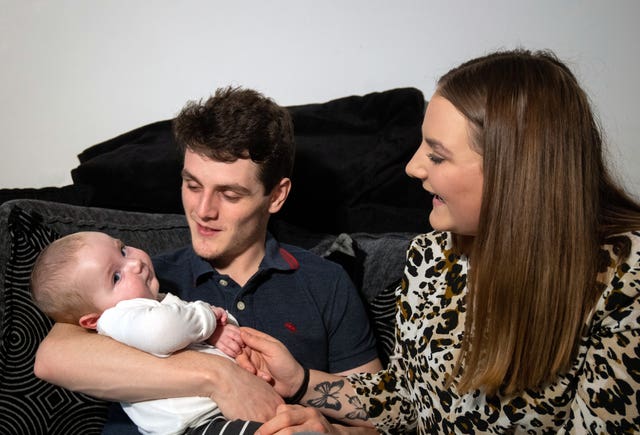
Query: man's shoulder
x=307 y=258
x=316 y=271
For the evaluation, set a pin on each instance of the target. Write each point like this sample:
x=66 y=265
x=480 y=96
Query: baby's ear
x=89 y=321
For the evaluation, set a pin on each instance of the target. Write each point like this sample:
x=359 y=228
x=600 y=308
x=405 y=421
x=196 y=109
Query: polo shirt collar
x=276 y=258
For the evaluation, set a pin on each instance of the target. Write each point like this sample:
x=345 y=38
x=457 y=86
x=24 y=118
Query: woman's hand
x=271 y=360
x=292 y=419
x=268 y=358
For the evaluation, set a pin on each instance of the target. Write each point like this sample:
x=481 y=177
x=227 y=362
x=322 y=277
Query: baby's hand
x=221 y=315
x=227 y=339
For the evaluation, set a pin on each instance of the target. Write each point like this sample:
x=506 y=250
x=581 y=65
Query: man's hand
x=241 y=395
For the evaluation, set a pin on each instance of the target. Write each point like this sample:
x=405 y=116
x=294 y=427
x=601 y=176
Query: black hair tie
x=301 y=391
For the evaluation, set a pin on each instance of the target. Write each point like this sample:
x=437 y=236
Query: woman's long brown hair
x=548 y=204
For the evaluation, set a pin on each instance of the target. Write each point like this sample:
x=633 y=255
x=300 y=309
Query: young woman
x=521 y=312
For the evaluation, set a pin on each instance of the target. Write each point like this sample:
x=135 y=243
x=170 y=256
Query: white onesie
x=162 y=328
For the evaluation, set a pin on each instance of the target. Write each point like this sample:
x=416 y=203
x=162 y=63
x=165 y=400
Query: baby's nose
x=136 y=265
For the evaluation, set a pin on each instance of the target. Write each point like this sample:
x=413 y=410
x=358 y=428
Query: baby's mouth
x=438 y=197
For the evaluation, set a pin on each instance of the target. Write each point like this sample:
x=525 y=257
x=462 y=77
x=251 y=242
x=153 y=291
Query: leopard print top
x=599 y=395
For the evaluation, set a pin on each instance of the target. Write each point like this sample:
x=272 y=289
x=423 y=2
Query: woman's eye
x=123 y=251
x=435 y=159
x=116 y=277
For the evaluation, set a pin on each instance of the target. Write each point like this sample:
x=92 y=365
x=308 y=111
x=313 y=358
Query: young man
x=238 y=157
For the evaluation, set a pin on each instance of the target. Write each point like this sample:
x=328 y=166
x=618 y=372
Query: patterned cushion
x=29 y=405
x=382 y=311
x=59 y=411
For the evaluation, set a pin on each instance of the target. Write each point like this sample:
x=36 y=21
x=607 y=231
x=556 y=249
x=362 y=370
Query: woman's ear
x=89 y=321
x=279 y=195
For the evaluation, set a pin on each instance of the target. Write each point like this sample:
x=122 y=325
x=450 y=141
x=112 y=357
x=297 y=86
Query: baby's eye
x=123 y=251
x=116 y=277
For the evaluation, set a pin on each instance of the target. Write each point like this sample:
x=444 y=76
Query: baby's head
x=79 y=276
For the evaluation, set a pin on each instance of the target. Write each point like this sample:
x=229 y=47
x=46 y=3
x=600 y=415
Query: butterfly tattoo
x=328 y=395
x=360 y=413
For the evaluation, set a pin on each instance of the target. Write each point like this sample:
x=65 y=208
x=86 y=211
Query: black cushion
x=348 y=174
x=349 y=170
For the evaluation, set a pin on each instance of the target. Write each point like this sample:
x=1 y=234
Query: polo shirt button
x=240 y=305
x=223 y=282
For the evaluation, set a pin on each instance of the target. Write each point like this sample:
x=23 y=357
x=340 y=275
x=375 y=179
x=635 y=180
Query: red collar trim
x=289 y=258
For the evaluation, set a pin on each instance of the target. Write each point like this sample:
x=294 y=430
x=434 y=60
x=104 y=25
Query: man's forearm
x=83 y=361
x=101 y=367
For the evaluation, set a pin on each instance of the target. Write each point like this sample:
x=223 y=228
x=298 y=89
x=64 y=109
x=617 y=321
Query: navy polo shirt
x=307 y=302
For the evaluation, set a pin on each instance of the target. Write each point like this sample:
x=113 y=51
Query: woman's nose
x=415 y=169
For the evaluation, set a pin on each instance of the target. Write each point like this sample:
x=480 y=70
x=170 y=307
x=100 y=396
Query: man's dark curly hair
x=238 y=123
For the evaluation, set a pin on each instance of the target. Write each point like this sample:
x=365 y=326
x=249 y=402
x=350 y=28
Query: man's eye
x=116 y=277
x=192 y=186
x=229 y=196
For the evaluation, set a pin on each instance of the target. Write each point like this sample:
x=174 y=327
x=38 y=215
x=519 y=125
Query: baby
x=94 y=280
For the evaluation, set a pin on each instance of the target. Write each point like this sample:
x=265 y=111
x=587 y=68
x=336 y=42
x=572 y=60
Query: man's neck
x=244 y=266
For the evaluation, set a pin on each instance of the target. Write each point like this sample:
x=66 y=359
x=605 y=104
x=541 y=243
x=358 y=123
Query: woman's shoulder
x=433 y=248
x=619 y=304
x=621 y=252
x=434 y=239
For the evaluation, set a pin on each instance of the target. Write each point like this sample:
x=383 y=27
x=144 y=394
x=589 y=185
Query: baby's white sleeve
x=160 y=328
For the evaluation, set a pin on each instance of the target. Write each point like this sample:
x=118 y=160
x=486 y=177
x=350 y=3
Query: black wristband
x=301 y=391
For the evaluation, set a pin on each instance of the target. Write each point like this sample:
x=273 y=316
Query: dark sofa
x=350 y=203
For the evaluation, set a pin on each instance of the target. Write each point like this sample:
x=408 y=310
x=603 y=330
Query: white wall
x=77 y=72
